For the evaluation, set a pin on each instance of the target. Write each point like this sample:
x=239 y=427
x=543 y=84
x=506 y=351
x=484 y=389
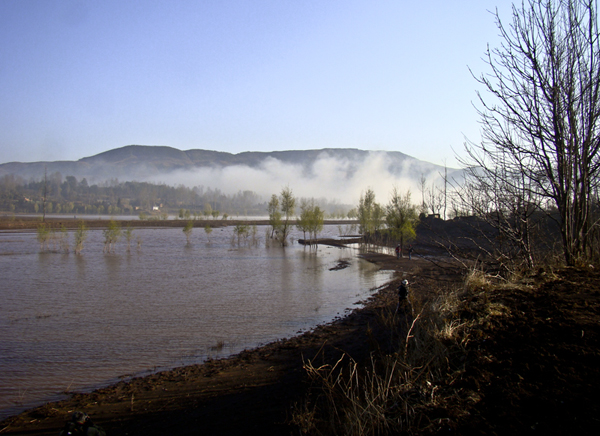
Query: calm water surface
x=77 y=322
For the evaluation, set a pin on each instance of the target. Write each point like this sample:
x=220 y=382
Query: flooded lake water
x=77 y=322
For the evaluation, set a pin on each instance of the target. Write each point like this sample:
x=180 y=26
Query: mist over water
x=73 y=323
x=328 y=177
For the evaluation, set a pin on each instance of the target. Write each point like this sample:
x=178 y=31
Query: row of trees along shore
x=57 y=240
x=399 y=219
x=394 y=223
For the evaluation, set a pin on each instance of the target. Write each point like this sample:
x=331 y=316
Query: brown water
x=73 y=323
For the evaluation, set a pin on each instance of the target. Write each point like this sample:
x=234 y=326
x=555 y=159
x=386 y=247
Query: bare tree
x=504 y=200
x=445 y=189
x=435 y=199
x=541 y=120
x=423 y=189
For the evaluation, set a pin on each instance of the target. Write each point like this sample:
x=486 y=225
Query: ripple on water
x=70 y=323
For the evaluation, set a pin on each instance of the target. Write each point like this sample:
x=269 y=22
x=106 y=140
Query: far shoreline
x=31 y=223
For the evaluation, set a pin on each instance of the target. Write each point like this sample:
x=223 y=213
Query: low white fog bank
x=334 y=179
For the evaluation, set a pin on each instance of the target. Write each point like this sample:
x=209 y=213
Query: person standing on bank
x=398 y=250
x=410 y=250
x=402 y=293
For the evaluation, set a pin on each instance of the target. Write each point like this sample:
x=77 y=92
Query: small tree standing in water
x=370 y=215
x=112 y=234
x=208 y=231
x=242 y=231
x=253 y=234
x=281 y=210
x=274 y=214
x=43 y=235
x=268 y=238
x=288 y=207
x=317 y=222
x=187 y=229
x=311 y=220
x=80 y=237
x=63 y=239
x=128 y=237
x=303 y=221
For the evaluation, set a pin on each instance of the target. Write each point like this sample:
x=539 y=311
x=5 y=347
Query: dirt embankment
x=535 y=369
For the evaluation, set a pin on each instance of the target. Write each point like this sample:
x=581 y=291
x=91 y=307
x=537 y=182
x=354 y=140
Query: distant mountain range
x=141 y=162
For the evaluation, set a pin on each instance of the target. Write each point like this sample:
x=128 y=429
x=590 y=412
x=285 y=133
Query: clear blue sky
x=80 y=77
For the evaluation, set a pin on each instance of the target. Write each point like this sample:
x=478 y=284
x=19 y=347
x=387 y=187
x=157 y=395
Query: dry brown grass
x=389 y=394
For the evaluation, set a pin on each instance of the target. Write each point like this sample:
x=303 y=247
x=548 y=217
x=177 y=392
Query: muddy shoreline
x=250 y=392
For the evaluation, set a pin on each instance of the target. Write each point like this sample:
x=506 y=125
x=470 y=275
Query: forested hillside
x=151 y=163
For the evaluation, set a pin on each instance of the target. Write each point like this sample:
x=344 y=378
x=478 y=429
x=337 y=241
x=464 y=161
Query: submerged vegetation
x=80 y=237
x=187 y=230
x=52 y=240
x=281 y=212
x=112 y=234
x=310 y=220
x=208 y=230
x=244 y=234
x=43 y=236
